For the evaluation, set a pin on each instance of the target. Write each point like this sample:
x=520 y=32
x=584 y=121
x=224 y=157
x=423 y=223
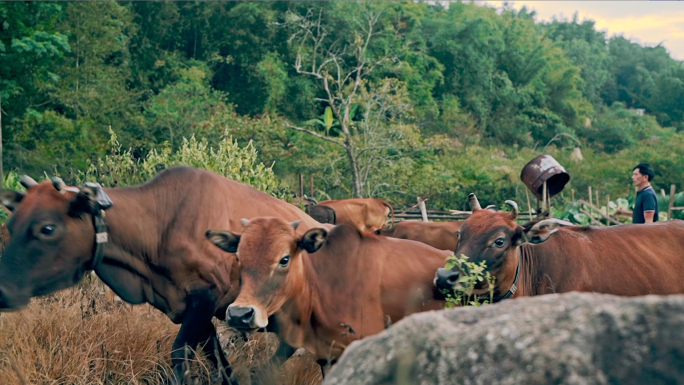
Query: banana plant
x=328 y=121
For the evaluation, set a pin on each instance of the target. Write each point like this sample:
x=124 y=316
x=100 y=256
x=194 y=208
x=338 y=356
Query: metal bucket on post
x=544 y=168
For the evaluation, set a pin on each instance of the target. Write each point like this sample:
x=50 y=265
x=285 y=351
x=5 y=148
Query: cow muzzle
x=12 y=301
x=244 y=317
x=446 y=279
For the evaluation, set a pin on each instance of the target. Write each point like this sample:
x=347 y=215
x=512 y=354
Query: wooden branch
x=592 y=219
x=410 y=208
x=320 y=68
x=367 y=149
x=459 y=212
x=611 y=220
x=316 y=134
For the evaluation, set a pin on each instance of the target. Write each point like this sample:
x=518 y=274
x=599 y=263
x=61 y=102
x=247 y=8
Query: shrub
x=471 y=274
x=120 y=168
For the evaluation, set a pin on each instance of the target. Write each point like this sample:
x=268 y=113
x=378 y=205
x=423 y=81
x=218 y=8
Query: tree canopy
x=386 y=99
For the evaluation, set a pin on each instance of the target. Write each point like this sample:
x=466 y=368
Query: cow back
x=323 y=214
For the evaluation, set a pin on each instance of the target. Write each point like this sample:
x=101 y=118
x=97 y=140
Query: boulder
x=573 y=338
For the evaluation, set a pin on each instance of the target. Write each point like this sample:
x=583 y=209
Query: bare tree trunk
x=351 y=154
x=356 y=179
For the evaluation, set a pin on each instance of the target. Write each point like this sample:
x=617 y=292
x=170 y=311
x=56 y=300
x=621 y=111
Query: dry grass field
x=85 y=336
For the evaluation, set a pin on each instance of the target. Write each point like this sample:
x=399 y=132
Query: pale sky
x=643 y=21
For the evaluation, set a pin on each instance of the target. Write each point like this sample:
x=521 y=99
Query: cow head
x=51 y=240
x=493 y=237
x=271 y=268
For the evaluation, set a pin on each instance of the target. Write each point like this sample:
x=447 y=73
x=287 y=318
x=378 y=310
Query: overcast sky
x=643 y=21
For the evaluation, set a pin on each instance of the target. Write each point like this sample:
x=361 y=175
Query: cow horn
x=244 y=222
x=295 y=224
x=59 y=184
x=514 y=209
x=474 y=203
x=27 y=181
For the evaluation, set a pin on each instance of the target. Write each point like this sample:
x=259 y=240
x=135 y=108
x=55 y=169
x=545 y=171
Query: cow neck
x=302 y=311
x=529 y=265
x=513 y=288
x=301 y=301
x=101 y=238
x=123 y=262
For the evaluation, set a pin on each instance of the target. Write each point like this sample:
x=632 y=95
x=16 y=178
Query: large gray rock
x=564 y=339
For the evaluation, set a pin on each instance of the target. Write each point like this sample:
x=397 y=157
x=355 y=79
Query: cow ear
x=11 y=198
x=312 y=240
x=84 y=203
x=542 y=230
x=224 y=240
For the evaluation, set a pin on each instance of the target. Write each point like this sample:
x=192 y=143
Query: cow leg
x=197 y=329
x=212 y=349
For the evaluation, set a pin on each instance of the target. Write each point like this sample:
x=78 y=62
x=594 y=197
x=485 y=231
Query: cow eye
x=284 y=261
x=47 y=230
x=500 y=242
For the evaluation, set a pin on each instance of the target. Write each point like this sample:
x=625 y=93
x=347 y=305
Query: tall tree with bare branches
x=359 y=71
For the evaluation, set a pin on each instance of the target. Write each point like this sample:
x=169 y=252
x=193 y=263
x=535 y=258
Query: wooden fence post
x=423 y=211
x=301 y=185
x=312 y=187
x=591 y=200
x=529 y=206
x=572 y=195
x=671 y=205
x=598 y=202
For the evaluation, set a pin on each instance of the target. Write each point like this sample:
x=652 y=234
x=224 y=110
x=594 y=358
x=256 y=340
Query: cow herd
x=196 y=245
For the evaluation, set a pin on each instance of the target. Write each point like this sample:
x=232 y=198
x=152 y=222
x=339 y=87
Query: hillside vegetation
x=382 y=99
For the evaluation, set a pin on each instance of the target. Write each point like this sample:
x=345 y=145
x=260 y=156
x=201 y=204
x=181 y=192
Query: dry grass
x=80 y=336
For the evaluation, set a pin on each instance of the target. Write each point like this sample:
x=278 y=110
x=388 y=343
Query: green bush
x=228 y=159
x=471 y=274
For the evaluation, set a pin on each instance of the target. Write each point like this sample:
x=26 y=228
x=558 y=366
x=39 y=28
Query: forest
x=375 y=99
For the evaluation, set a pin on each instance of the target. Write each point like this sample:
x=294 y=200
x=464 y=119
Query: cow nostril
x=446 y=279
x=249 y=315
x=241 y=316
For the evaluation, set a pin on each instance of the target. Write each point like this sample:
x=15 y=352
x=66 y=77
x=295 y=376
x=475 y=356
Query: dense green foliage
x=394 y=99
x=120 y=168
x=472 y=275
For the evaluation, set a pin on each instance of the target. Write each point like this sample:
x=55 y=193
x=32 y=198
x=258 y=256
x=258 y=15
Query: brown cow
x=327 y=288
x=440 y=235
x=367 y=214
x=552 y=256
x=153 y=248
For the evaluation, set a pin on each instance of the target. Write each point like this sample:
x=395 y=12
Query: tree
x=178 y=109
x=343 y=56
x=30 y=49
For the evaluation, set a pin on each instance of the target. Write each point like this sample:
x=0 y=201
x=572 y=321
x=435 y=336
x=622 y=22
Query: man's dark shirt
x=646 y=200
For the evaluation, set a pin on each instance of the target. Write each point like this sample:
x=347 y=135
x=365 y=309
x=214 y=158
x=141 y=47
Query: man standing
x=646 y=205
